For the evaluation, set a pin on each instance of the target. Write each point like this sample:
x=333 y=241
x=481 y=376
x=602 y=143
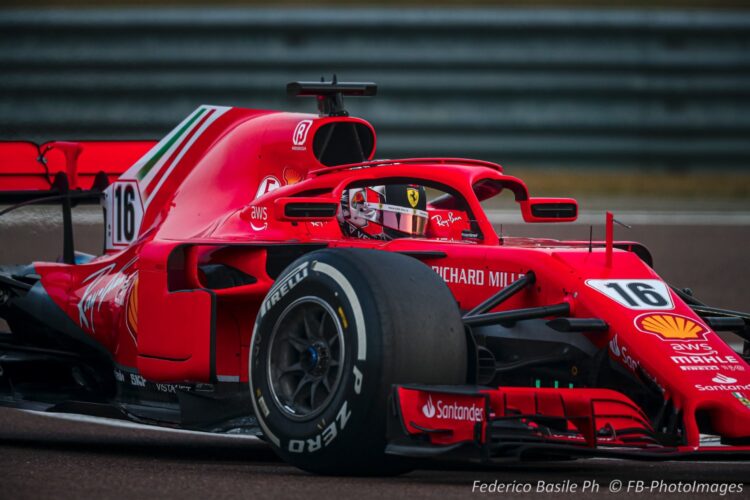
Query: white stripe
x=640 y=218
x=127 y=424
x=178 y=144
x=359 y=317
x=132 y=172
x=220 y=110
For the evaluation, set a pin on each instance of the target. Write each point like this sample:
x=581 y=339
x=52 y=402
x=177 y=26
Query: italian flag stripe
x=143 y=172
x=155 y=181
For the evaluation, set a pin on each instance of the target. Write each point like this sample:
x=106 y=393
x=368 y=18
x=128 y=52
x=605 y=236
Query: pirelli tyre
x=336 y=331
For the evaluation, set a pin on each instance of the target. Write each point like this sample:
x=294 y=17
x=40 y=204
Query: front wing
x=492 y=425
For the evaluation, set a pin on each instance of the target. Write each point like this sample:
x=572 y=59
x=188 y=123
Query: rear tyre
x=337 y=330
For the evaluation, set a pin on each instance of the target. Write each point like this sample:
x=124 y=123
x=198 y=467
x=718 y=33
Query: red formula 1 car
x=263 y=274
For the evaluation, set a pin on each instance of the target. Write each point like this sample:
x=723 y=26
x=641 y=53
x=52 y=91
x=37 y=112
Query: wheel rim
x=305 y=358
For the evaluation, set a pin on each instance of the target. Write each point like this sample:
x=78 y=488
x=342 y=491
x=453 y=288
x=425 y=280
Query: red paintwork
x=594 y=418
x=21 y=171
x=586 y=411
x=207 y=211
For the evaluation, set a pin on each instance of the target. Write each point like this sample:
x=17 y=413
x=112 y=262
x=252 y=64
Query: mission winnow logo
x=452 y=411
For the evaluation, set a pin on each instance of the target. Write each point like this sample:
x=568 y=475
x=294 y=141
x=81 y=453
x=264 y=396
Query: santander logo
x=723 y=379
x=428 y=409
x=452 y=411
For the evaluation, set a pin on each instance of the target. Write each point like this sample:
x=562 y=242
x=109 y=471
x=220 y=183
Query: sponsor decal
x=691 y=356
x=413 y=196
x=452 y=411
x=670 y=326
x=711 y=362
x=103 y=283
x=725 y=383
x=447 y=222
x=713 y=388
x=428 y=410
x=137 y=381
x=723 y=379
x=475 y=277
x=639 y=295
x=259 y=218
x=623 y=354
x=702 y=349
x=283 y=286
x=299 y=137
x=742 y=398
x=131 y=309
x=268 y=184
x=291 y=176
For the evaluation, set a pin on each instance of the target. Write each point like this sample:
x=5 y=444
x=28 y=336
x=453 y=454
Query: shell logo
x=131 y=309
x=291 y=176
x=670 y=326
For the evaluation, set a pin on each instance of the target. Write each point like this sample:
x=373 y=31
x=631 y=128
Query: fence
x=561 y=87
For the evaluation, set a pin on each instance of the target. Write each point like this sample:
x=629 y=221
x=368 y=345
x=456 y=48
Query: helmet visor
x=410 y=221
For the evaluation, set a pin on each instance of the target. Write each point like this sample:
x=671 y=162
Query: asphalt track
x=46 y=457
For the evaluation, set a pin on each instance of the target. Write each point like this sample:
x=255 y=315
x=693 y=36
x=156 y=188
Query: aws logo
x=668 y=326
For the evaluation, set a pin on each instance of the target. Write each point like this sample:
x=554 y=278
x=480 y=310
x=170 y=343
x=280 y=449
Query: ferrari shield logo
x=413 y=197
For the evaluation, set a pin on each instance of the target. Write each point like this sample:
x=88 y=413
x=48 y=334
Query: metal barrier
x=562 y=87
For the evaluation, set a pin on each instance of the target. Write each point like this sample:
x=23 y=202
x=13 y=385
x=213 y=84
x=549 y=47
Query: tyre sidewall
x=337 y=430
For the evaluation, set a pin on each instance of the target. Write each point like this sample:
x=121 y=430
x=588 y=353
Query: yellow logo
x=131 y=308
x=413 y=196
x=670 y=326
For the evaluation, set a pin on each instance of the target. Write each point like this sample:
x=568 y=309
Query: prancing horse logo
x=413 y=196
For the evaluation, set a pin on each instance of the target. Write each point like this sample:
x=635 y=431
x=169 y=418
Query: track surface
x=45 y=457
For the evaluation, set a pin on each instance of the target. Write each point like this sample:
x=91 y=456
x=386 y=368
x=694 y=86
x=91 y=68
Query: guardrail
x=561 y=87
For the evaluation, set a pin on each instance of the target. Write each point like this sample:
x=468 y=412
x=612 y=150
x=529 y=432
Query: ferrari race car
x=263 y=274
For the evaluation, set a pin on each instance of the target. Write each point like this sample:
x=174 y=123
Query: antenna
x=591 y=238
x=330 y=95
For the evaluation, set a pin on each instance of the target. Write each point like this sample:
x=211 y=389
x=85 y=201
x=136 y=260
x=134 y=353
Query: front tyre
x=335 y=332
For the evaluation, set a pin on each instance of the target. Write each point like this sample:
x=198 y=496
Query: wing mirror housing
x=305 y=209
x=549 y=209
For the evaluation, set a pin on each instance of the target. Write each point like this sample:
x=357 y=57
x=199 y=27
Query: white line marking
x=359 y=317
x=112 y=422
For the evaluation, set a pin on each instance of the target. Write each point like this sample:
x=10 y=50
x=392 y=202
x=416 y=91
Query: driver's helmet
x=384 y=212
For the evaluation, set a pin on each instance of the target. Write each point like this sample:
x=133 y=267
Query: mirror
x=549 y=210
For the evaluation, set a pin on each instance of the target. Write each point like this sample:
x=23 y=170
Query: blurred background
x=642 y=107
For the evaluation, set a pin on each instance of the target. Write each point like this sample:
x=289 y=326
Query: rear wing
x=67 y=173
x=30 y=171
